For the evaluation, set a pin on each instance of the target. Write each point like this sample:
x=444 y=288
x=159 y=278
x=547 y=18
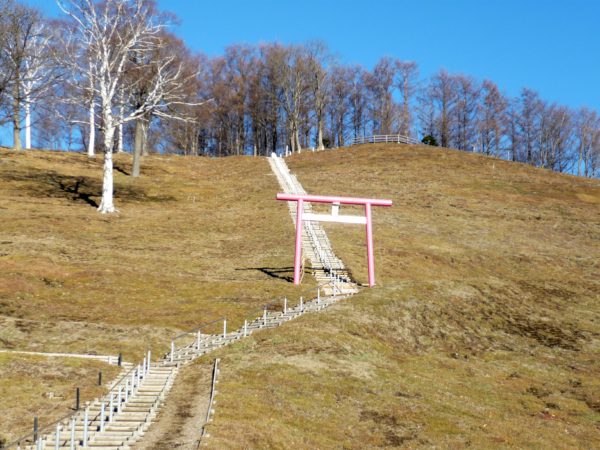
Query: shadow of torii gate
x=334 y=217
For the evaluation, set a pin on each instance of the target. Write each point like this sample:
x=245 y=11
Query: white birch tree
x=39 y=75
x=28 y=55
x=107 y=33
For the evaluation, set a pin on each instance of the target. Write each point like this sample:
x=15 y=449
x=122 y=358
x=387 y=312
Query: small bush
x=430 y=140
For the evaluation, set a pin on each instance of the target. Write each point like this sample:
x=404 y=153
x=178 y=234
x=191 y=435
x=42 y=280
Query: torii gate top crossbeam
x=367 y=220
x=329 y=199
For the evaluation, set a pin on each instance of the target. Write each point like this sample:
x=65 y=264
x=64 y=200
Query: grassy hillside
x=196 y=239
x=482 y=331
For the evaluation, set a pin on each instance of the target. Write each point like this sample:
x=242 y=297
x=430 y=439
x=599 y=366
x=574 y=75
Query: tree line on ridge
x=111 y=76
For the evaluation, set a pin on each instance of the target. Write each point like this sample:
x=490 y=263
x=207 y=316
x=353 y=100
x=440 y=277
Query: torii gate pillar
x=301 y=217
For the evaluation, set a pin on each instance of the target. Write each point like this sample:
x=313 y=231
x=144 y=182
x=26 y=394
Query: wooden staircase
x=315 y=244
x=121 y=424
x=127 y=425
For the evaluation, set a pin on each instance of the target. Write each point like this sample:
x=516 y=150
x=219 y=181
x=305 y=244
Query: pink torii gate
x=336 y=201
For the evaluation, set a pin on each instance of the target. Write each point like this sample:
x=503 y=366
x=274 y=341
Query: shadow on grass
x=69 y=188
x=76 y=188
x=275 y=272
x=120 y=169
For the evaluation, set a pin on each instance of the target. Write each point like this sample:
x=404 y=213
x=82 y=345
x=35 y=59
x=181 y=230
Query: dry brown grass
x=481 y=333
x=44 y=387
x=196 y=239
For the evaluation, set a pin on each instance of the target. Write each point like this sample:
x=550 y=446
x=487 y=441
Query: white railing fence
x=137 y=374
x=199 y=335
x=385 y=138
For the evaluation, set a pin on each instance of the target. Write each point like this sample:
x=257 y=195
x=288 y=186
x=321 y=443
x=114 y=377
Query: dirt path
x=179 y=424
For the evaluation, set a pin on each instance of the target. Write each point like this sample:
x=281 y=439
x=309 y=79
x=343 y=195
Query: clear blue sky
x=547 y=45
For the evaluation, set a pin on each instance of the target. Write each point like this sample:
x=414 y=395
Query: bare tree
x=555 y=137
x=358 y=99
x=512 y=128
x=381 y=83
x=467 y=102
x=443 y=93
x=492 y=119
x=427 y=114
x=407 y=82
x=187 y=137
x=320 y=64
x=107 y=32
x=265 y=101
x=528 y=122
x=27 y=50
x=41 y=72
x=587 y=134
x=258 y=107
x=165 y=62
x=290 y=68
x=341 y=91
x=7 y=68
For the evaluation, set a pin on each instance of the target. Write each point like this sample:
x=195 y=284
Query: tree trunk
x=580 y=157
x=145 y=127
x=195 y=137
x=16 y=119
x=120 y=144
x=320 y=145
x=107 y=205
x=92 y=142
x=297 y=137
x=290 y=138
x=137 y=148
x=405 y=131
x=70 y=138
x=27 y=125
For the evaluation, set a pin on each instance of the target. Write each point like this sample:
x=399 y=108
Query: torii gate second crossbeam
x=367 y=220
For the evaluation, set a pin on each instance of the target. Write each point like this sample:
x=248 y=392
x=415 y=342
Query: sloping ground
x=482 y=332
x=197 y=239
x=37 y=386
